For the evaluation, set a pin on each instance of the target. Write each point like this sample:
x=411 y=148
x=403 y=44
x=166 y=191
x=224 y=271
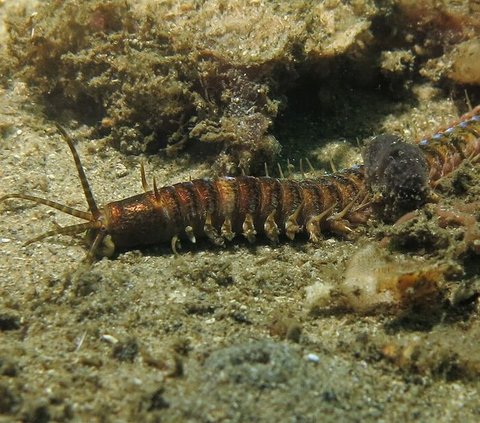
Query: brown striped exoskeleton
x=219 y=208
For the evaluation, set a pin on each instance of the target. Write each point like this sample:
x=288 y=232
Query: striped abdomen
x=396 y=178
x=445 y=150
x=221 y=208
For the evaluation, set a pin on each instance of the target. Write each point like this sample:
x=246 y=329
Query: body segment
x=221 y=208
x=445 y=150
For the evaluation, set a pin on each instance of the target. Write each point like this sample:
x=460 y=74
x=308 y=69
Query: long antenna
x=92 y=205
x=92 y=215
x=63 y=208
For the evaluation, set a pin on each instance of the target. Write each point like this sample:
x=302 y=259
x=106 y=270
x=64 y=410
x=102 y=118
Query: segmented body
x=220 y=208
x=446 y=149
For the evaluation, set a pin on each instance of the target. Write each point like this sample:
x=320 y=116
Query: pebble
x=314 y=358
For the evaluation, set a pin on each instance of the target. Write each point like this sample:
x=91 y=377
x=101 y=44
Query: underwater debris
x=377 y=280
x=396 y=175
x=464 y=215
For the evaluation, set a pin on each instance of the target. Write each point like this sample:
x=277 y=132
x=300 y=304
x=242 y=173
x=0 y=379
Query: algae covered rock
x=215 y=76
x=154 y=76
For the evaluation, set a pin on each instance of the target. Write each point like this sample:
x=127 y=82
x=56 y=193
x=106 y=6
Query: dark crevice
x=343 y=105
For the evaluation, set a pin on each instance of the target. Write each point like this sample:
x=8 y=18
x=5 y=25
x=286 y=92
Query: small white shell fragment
x=314 y=358
x=109 y=338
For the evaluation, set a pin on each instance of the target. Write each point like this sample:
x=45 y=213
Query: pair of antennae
x=91 y=216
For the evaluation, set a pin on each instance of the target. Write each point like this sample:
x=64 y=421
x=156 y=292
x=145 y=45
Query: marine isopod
x=222 y=207
x=216 y=208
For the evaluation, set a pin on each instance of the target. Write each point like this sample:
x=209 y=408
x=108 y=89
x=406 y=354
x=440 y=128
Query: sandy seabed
x=245 y=333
